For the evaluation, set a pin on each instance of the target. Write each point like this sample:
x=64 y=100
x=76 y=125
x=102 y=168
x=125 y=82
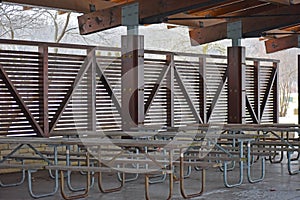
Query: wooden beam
x=252 y=27
x=211 y=22
x=275 y=45
x=285 y=2
x=153 y=11
x=209 y=34
x=254 y=10
x=229 y=8
x=70 y=5
x=190 y=23
x=293 y=28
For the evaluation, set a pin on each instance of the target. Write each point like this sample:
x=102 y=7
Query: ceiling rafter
x=285 y=2
x=228 y=9
x=150 y=12
x=274 y=45
x=81 y=6
x=210 y=26
x=251 y=27
x=294 y=29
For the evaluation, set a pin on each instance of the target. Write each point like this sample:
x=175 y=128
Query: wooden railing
x=46 y=87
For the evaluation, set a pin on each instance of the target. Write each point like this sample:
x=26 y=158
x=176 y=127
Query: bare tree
x=287 y=72
x=61 y=26
x=286 y=85
x=15 y=18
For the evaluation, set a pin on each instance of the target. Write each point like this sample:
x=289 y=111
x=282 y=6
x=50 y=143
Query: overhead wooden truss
x=207 y=19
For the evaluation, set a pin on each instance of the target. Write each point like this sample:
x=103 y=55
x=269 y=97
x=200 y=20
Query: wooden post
x=91 y=92
x=257 y=90
x=298 y=89
x=202 y=89
x=170 y=91
x=132 y=81
x=43 y=90
x=276 y=94
x=236 y=85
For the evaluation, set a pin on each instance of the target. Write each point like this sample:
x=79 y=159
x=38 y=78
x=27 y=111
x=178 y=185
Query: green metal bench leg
x=291 y=172
x=225 y=176
x=116 y=189
x=17 y=183
x=263 y=171
x=171 y=186
x=272 y=158
x=158 y=179
x=78 y=196
x=182 y=188
x=249 y=163
x=36 y=196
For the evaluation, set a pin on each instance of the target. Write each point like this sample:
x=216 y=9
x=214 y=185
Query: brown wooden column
x=91 y=92
x=43 y=90
x=298 y=89
x=236 y=85
x=170 y=91
x=276 y=94
x=257 y=90
x=132 y=81
x=202 y=89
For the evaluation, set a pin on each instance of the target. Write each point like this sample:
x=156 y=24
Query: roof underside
x=275 y=21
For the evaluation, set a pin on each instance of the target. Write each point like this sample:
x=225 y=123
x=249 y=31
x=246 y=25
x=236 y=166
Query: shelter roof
x=275 y=21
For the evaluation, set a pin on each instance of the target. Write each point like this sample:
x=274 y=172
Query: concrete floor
x=277 y=185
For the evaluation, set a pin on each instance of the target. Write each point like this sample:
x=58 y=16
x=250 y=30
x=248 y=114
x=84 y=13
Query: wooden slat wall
x=215 y=70
x=63 y=69
x=108 y=118
x=153 y=66
x=23 y=67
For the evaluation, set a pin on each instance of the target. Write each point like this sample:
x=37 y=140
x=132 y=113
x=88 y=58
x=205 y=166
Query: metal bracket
x=92 y=7
x=130 y=18
x=234 y=32
x=130 y=15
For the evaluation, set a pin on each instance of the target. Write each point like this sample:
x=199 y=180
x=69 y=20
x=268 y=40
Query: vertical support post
x=43 y=90
x=132 y=81
x=170 y=91
x=91 y=92
x=276 y=94
x=236 y=85
x=257 y=89
x=298 y=89
x=202 y=89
